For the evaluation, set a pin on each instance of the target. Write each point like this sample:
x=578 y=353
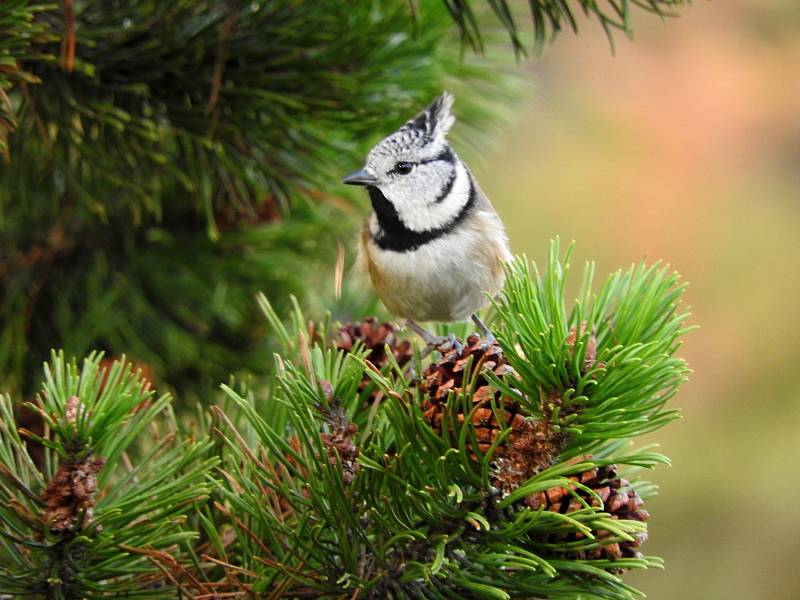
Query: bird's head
x=416 y=171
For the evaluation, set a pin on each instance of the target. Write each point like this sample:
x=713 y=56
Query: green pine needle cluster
x=102 y=514
x=23 y=38
x=633 y=323
x=550 y=17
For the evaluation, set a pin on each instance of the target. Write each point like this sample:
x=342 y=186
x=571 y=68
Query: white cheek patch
x=417 y=205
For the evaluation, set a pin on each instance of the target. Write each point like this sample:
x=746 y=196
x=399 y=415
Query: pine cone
x=340 y=444
x=620 y=500
x=69 y=497
x=375 y=336
x=531 y=445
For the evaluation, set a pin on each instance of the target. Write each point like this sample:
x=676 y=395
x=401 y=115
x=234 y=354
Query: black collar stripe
x=395 y=236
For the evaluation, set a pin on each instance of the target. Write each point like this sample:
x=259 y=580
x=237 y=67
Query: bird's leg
x=485 y=331
x=442 y=343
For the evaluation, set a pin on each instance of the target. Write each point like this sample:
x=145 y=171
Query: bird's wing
x=491 y=223
x=482 y=201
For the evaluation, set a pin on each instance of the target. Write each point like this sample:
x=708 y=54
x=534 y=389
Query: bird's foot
x=442 y=343
x=488 y=336
x=445 y=343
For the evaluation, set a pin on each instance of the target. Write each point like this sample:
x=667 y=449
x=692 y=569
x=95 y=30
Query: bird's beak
x=360 y=178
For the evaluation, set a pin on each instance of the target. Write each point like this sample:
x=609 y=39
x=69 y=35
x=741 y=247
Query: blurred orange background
x=685 y=145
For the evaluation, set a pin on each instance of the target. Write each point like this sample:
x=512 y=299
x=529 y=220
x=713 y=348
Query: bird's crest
x=436 y=120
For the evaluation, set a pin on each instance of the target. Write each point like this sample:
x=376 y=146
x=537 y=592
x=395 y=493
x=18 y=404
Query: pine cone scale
x=617 y=498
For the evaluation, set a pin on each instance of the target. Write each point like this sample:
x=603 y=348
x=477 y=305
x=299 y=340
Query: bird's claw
x=486 y=343
x=445 y=343
x=442 y=343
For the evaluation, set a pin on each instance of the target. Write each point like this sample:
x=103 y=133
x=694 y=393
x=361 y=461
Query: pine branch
x=493 y=473
x=550 y=17
x=605 y=368
x=98 y=518
x=219 y=103
x=22 y=35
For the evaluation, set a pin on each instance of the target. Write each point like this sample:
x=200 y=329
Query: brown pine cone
x=531 y=445
x=69 y=497
x=620 y=501
x=375 y=336
x=340 y=444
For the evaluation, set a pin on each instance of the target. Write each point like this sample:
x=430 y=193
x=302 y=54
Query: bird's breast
x=445 y=279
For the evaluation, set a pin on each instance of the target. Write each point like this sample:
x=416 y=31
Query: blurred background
x=685 y=146
x=163 y=161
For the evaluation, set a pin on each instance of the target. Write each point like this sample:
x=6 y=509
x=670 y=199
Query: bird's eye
x=403 y=168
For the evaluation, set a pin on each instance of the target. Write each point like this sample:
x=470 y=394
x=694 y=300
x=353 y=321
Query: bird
x=434 y=246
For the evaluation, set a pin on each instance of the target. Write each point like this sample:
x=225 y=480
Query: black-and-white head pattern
x=421 y=188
